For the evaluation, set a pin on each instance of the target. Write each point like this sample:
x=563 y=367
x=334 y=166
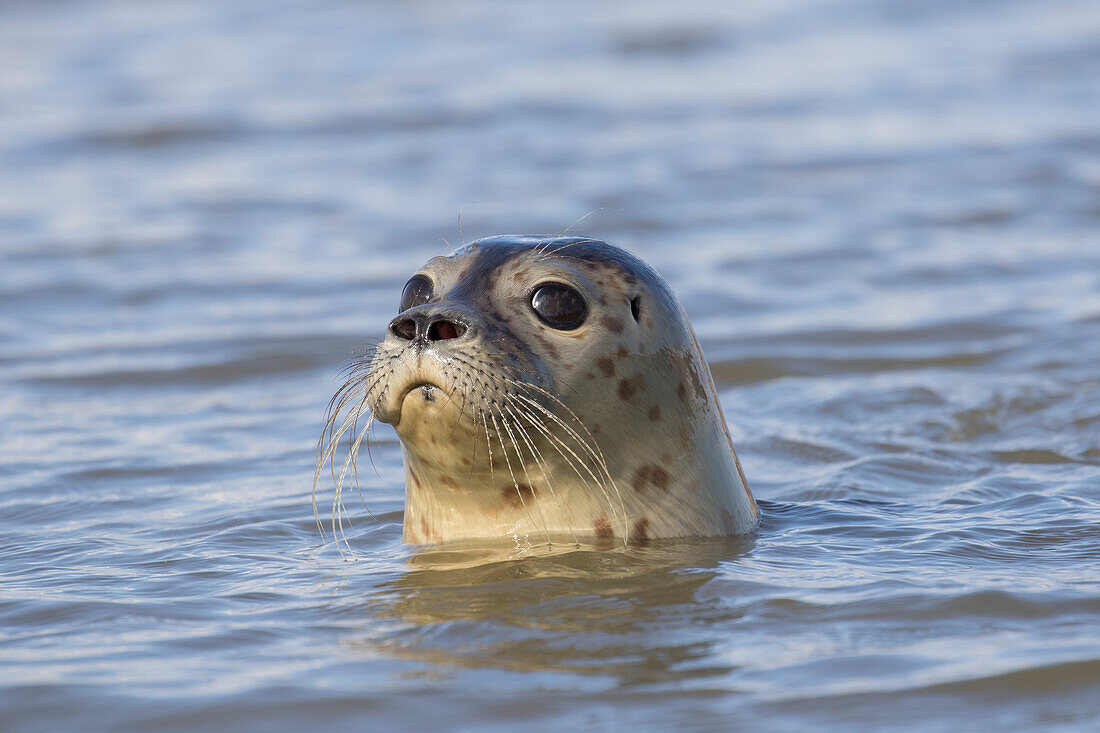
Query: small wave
x=228 y=371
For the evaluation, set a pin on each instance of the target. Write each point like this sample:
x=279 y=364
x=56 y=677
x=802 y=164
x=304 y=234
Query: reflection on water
x=598 y=611
x=882 y=220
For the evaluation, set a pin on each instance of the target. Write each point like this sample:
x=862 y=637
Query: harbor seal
x=546 y=389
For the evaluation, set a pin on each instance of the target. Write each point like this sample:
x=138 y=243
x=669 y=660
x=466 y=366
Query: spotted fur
x=504 y=437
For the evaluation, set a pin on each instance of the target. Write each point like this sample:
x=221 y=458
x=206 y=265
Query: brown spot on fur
x=649 y=474
x=589 y=375
x=606 y=365
x=550 y=348
x=654 y=413
x=630 y=387
x=659 y=477
x=613 y=324
x=640 y=531
x=408 y=527
x=424 y=526
x=519 y=496
x=603 y=528
x=681 y=390
x=449 y=482
x=690 y=379
x=596 y=429
x=622 y=353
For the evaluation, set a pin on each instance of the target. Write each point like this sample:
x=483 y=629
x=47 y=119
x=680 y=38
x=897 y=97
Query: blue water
x=883 y=219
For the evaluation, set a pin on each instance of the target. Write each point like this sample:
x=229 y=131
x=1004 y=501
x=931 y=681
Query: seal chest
x=552 y=389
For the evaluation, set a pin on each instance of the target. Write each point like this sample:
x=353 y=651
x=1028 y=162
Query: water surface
x=883 y=219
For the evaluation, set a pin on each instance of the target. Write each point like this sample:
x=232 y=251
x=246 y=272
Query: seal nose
x=426 y=327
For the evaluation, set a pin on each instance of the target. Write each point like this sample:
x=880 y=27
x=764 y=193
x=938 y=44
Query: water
x=883 y=219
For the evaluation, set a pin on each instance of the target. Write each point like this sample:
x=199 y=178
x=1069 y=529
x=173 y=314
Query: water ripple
x=880 y=219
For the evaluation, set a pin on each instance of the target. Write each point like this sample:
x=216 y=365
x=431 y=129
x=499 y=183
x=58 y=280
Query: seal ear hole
x=634 y=308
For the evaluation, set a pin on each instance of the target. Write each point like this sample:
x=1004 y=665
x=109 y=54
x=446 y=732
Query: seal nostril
x=404 y=328
x=443 y=330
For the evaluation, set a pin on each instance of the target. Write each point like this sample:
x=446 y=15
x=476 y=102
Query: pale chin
x=422 y=403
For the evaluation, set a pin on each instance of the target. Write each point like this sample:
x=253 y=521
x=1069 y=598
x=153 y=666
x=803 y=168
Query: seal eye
x=418 y=291
x=559 y=306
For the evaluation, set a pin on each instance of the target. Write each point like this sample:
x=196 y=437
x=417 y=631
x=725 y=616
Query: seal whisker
x=473 y=444
x=458 y=384
x=527 y=475
x=515 y=483
x=355 y=440
x=593 y=452
x=592 y=444
x=540 y=462
x=352 y=384
x=349 y=427
x=350 y=391
x=488 y=448
x=337 y=503
x=330 y=448
x=364 y=437
x=575 y=462
x=347 y=393
x=520 y=374
x=360 y=362
x=548 y=253
x=460 y=237
x=370 y=458
x=561 y=233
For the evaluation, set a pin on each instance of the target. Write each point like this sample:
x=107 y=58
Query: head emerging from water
x=547 y=390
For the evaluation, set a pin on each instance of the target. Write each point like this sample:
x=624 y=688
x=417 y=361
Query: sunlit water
x=883 y=218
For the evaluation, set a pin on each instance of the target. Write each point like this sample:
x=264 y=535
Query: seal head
x=552 y=388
